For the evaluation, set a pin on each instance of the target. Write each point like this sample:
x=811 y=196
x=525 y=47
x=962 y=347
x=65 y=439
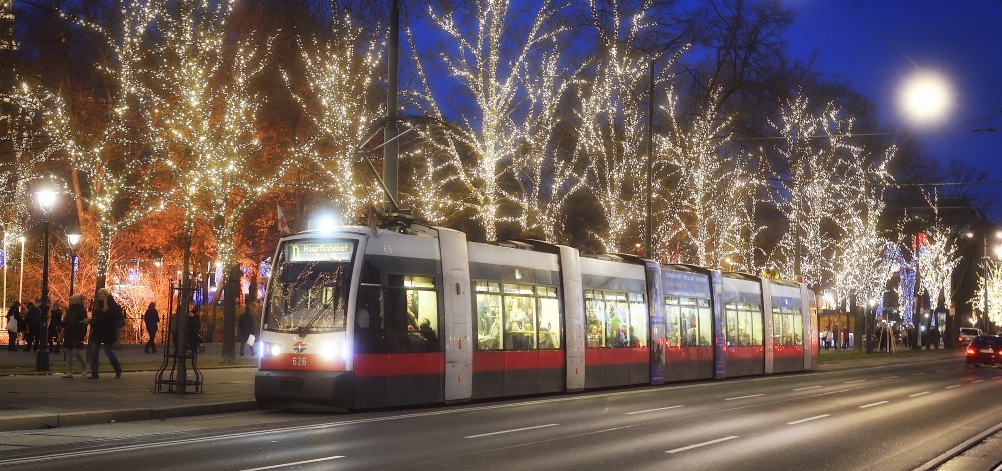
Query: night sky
x=958 y=40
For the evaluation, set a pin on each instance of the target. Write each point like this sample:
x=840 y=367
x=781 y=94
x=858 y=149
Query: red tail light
x=970 y=351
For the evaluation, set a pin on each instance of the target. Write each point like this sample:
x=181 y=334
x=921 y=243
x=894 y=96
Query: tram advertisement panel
x=685 y=284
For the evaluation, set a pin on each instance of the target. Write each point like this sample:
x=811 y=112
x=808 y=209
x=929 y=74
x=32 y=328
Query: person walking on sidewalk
x=13 y=318
x=73 y=334
x=152 y=321
x=34 y=321
x=845 y=337
x=107 y=314
x=245 y=326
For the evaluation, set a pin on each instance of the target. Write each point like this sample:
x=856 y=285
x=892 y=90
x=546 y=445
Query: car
x=968 y=333
x=985 y=350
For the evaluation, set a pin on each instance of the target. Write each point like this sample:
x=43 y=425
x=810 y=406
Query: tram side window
x=755 y=314
x=488 y=315
x=596 y=318
x=690 y=323
x=411 y=314
x=637 y=330
x=548 y=317
x=798 y=329
x=744 y=324
x=787 y=326
x=618 y=319
x=519 y=317
x=674 y=320
x=705 y=323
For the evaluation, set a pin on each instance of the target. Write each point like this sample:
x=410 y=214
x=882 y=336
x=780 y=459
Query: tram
x=363 y=318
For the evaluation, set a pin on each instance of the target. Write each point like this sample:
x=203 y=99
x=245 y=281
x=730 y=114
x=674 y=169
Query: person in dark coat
x=105 y=317
x=13 y=318
x=34 y=322
x=152 y=321
x=73 y=334
x=245 y=328
x=55 y=326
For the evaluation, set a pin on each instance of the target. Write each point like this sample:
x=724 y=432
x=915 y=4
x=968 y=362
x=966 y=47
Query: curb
x=69 y=419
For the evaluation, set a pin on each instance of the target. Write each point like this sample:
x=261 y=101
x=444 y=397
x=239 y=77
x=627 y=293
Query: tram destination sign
x=316 y=251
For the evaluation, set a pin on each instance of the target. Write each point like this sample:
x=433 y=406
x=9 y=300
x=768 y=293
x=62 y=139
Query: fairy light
x=714 y=203
x=99 y=156
x=611 y=124
x=488 y=134
x=341 y=77
x=203 y=113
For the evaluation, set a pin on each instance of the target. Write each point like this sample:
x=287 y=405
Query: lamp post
x=72 y=238
x=20 y=283
x=46 y=201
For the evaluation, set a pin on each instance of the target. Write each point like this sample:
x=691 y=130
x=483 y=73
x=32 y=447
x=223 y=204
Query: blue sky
x=958 y=40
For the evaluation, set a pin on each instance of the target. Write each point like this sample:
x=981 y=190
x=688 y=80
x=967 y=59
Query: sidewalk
x=30 y=400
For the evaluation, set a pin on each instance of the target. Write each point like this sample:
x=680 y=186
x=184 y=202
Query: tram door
x=458 y=330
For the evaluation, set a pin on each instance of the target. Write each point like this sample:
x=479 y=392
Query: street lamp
x=46 y=201
x=73 y=237
x=925 y=98
x=20 y=283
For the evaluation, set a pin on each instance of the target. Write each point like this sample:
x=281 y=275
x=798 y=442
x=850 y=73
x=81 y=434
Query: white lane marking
x=510 y=431
x=937 y=371
x=889 y=377
x=808 y=387
x=711 y=442
x=795 y=422
x=874 y=404
x=856 y=381
x=978 y=381
x=743 y=397
x=294 y=464
x=918 y=374
x=951 y=387
x=652 y=410
x=919 y=394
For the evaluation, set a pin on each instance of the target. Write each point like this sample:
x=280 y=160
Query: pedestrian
x=152 y=321
x=13 y=318
x=73 y=334
x=55 y=326
x=845 y=337
x=33 y=319
x=826 y=336
x=245 y=328
x=106 y=315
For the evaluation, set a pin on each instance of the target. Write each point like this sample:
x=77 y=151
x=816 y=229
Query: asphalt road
x=888 y=418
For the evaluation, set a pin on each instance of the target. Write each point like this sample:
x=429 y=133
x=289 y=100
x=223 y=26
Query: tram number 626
x=298 y=361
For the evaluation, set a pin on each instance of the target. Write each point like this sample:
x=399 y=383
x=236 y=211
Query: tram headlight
x=329 y=350
x=274 y=349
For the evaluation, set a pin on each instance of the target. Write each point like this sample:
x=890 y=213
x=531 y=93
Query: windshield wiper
x=305 y=328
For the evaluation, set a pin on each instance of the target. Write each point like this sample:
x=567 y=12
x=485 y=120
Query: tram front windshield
x=309 y=286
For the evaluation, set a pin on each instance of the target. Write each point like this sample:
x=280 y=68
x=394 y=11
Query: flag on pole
x=283 y=226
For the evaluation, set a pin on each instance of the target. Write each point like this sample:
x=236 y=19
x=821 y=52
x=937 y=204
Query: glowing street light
x=45 y=198
x=925 y=98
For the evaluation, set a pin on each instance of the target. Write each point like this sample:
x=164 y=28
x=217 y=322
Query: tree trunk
x=231 y=290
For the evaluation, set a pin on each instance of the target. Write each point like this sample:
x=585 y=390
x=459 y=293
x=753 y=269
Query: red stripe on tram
x=399 y=364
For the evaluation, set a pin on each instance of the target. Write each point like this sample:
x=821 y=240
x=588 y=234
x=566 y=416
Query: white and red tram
x=359 y=319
